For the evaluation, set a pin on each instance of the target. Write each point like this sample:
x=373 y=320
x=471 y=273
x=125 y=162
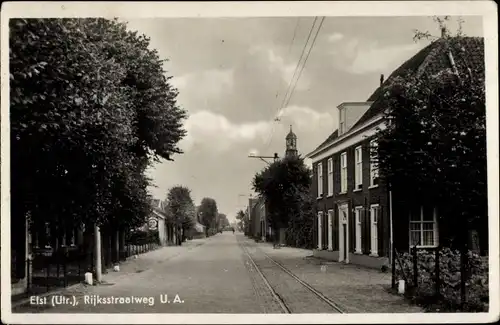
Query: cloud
x=207 y=82
x=215 y=130
x=359 y=56
x=375 y=59
x=335 y=37
x=277 y=63
x=212 y=130
x=305 y=119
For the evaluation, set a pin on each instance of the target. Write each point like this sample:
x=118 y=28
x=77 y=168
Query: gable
x=430 y=60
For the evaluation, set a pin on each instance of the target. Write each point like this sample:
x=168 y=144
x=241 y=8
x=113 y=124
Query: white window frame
x=330 y=177
x=48 y=235
x=320 y=230
x=330 y=230
x=358 y=172
x=374 y=229
x=343 y=172
x=421 y=231
x=320 y=179
x=373 y=164
x=357 y=216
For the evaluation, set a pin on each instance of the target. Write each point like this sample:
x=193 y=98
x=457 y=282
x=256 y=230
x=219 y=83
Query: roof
x=290 y=134
x=328 y=140
x=429 y=60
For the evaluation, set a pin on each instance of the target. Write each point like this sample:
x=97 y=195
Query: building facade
x=359 y=220
x=352 y=203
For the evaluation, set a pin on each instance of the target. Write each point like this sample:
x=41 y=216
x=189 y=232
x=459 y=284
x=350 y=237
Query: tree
x=436 y=140
x=242 y=220
x=91 y=108
x=180 y=209
x=208 y=213
x=223 y=221
x=285 y=187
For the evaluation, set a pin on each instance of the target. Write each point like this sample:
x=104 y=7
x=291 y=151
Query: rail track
x=325 y=304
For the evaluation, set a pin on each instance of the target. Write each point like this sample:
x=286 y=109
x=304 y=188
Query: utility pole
x=263 y=158
x=97 y=238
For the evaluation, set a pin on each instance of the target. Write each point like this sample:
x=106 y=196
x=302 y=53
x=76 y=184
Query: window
x=374 y=216
x=320 y=179
x=320 y=230
x=330 y=230
x=358 y=172
x=48 y=234
x=342 y=126
x=357 y=214
x=423 y=227
x=343 y=173
x=373 y=163
x=330 y=176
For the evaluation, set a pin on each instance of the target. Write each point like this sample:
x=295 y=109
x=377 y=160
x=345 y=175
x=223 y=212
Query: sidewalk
x=356 y=288
x=142 y=263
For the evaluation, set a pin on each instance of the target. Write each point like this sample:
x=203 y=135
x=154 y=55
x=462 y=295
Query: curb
x=74 y=286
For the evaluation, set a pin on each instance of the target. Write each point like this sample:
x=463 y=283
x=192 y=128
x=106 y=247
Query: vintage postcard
x=249 y=162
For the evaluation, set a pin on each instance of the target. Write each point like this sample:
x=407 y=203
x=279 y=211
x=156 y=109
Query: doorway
x=343 y=233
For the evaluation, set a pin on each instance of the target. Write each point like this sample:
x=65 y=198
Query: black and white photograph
x=234 y=162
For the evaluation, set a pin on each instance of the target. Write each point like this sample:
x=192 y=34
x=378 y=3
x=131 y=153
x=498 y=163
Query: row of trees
x=90 y=109
x=182 y=212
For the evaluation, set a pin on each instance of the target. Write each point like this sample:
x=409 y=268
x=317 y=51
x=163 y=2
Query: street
x=216 y=275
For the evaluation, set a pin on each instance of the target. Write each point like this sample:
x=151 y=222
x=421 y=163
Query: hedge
x=477 y=294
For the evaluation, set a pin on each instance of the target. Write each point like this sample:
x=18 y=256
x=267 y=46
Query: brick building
x=359 y=220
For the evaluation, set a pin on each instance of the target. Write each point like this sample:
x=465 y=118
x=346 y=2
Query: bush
x=141 y=237
x=477 y=298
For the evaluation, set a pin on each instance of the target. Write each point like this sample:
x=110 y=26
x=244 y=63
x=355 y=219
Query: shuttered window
x=374 y=217
x=343 y=172
x=357 y=216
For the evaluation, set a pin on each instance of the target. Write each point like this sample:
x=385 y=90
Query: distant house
x=354 y=210
x=258 y=219
x=253 y=218
x=199 y=230
x=158 y=222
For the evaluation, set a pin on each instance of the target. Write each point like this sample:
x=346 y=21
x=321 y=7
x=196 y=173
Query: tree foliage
x=285 y=186
x=436 y=140
x=223 y=221
x=90 y=108
x=208 y=213
x=242 y=220
x=180 y=208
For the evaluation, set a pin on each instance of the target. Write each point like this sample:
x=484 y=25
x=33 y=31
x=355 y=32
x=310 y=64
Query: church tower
x=291 y=144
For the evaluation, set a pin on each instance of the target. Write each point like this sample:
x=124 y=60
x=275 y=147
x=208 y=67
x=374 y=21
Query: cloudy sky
x=232 y=74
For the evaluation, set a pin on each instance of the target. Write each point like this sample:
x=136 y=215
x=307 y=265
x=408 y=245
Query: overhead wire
x=305 y=61
x=291 y=80
x=269 y=138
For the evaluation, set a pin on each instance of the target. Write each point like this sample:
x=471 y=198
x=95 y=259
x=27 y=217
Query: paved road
x=215 y=276
x=208 y=278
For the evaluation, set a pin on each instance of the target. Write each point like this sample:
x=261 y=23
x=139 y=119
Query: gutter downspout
x=392 y=257
x=390 y=220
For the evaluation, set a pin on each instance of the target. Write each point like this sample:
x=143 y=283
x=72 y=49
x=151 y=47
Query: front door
x=343 y=233
x=344 y=230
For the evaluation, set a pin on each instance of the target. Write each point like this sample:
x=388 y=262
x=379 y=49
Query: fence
x=459 y=279
x=56 y=268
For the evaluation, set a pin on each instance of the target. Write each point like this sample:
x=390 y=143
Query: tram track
x=281 y=287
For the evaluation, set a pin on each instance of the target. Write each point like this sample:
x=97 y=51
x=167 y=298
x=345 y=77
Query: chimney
x=381 y=79
x=443 y=32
